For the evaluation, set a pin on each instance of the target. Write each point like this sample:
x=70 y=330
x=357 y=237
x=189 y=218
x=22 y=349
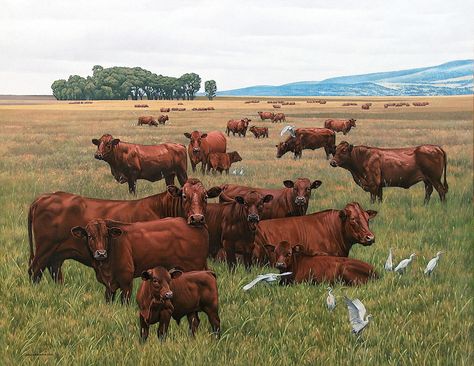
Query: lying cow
x=51 y=217
x=129 y=162
x=266 y=115
x=122 y=251
x=222 y=161
x=308 y=138
x=164 y=294
x=373 y=168
x=292 y=200
x=340 y=125
x=162 y=119
x=147 y=120
x=259 y=131
x=332 y=232
x=201 y=144
x=165 y=110
x=238 y=127
x=279 y=117
x=307 y=267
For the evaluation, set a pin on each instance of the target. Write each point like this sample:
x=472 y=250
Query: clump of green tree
x=210 y=88
x=126 y=82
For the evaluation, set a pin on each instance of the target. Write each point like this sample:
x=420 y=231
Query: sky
x=237 y=43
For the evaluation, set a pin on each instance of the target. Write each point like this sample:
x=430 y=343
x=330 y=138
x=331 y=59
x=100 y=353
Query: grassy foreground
x=417 y=320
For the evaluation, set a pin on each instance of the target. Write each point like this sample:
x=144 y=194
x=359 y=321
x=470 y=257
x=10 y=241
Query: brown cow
x=164 y=294
x=306 y=267
x=150 y=162
x=332 y=232
x=265 y=115
x=165 y=110
x=122 y=251
x=293 y=200
x=340 y=125
x=365 y=106
x=373 y=168
x=51 y=217
x=259 y=131
x=279 y=117
x=222 y=161
x=308 y=138
x=147 y=120
x=201 y=144
x=238 y=127
x=162 y=119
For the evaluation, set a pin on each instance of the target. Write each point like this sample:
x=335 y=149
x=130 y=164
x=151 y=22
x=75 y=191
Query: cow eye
x=184 y=196
x=205 y=198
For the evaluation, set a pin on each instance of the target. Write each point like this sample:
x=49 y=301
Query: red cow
x=265 y=115
x=162 y=119
x=340 y=125
x=222 y=161
x=259 y=131
x=238 y=127
x=279 y=117
x=147 y=120
x=308 y=138
x=201 y=144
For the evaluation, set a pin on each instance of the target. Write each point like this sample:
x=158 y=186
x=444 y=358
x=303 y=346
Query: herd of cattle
x=167 y=238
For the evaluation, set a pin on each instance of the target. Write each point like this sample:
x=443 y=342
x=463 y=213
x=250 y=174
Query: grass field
x=416 y=320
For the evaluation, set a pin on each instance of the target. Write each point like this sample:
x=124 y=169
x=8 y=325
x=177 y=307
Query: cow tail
x=445 y=183
x=30 y=232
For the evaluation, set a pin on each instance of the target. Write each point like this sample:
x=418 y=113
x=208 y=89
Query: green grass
x=417 y=319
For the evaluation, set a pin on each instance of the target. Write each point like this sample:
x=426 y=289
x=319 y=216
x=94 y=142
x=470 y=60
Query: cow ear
x=288 y=183
x=175 y=273
x=316 y=184
x=174 y=191
x=204 y=135
x=187 y=134
x=146 y=275
x=343 y=215
x=96 y=142
x=267 y=198
x=214 y=192
x=115 y=232
x=270 y=248
x=239 y=199
x=115 y=142
x=371 y=214
x=79 y=232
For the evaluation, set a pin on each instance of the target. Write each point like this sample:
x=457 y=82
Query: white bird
x=357 y=316
x=331 y=300
x=234 y=171
x=389 y=262
x=432 y=264
x=269 y=278
x=400 y=268
x=290 y=129
x=241 y=172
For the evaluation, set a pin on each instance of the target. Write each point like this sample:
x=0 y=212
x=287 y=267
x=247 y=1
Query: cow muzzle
x=333 y=163
x=100 y=255
x=98 y=156
x=254 y=218
x=280 y=265
x=196 y=150
x=369 y=240
x=300 y=200
x=168 y=295
x=196 y=220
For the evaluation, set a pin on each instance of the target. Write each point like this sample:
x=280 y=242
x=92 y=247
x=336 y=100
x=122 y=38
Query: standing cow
x=308 y=138
x=340 y=125
x=201 y=144
x=238 y=127
x=279 y=117
x=147 y=120
x=259 y=131
x=373 y=168
x=222 y=161
x=162 y=119
x=266 y=115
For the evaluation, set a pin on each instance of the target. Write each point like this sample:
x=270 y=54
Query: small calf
x=164 y=294
x=319 y=267
x=259 y=131
x=162 y=119
x=222 y=161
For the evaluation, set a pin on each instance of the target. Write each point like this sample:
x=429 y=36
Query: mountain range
x=451 y=78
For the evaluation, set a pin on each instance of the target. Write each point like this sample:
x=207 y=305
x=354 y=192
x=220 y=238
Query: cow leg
x=169 y=179
x=182 y=177
x=132 y=186
x=193 y=321
x=428 y=191
x=126 y=293
x=214 y=320
x=54 y=269
x=380 y=194
x=40 y=262
x=441 y=190
x=144 y=329
x=328 y=152
x=230 y=254
x=162 y=331
x=193 y=167
x=372 y=197
x=109 y=295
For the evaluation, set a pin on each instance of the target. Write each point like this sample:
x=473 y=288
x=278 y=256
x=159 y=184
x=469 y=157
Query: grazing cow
x=165 y=110
x=232 y=226
x=238 y=127
x=51 y=217
x=129 y=162
x=259 y=131
x=306 y=267
x=222 y=161
x=365 y=106
x=340 y=125
x=201 y=144
x=279 y=117
x=292 y=200
x=162 y=119
x=265 y=115
x=330 y=232
x=147 y=120
x=164 y=294
x=308 y=138
x=122 y=251
x=373 y=168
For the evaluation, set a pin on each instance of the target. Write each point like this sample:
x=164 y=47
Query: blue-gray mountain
x=451 y=78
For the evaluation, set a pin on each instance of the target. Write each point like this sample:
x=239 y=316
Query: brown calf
x=147 y=120
x=259 y=131
x=222 y=161
x=201 y=144
x=340 y=125
x=279 y=117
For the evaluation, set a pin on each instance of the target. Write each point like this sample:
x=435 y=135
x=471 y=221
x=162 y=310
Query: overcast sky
x=237 y=43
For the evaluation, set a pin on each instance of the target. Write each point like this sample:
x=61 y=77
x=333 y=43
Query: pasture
x=46 y=146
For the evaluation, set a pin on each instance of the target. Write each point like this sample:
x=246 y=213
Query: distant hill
x=451 y=78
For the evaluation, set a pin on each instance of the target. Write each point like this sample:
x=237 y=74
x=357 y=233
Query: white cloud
x=236 y=43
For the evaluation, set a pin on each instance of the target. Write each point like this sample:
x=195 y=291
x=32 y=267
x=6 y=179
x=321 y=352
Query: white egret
x=389 y=261
x=432 y=263
x=331 y=300
x=400 y=268
x=269 y=278
x=290 y=129
x=357 y=316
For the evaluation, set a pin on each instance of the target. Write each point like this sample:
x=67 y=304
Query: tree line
x=122 y=83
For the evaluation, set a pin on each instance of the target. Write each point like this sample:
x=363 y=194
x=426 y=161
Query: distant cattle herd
x=165 y=239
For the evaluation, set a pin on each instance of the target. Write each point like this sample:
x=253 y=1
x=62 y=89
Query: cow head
x=302 y=189
x=194 y=199
x=160 y=280
x=105 y=146
x=252 y=129
x=355 y=222
x=342 y=157
x=352 y=122
x=234 y=157
x=195 y=140
x=97 y=234
x=252 y=205
x=284 y=146
x=283 y=254
x=245 y=122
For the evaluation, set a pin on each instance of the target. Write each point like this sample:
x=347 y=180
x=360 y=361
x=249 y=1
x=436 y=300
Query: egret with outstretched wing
x=357 y=316
x=269 y=278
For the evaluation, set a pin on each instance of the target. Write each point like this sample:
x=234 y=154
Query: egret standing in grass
x=400 y=268
x=331 y=300
x=432 y=264
x=357 y=316
x=389 y=261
